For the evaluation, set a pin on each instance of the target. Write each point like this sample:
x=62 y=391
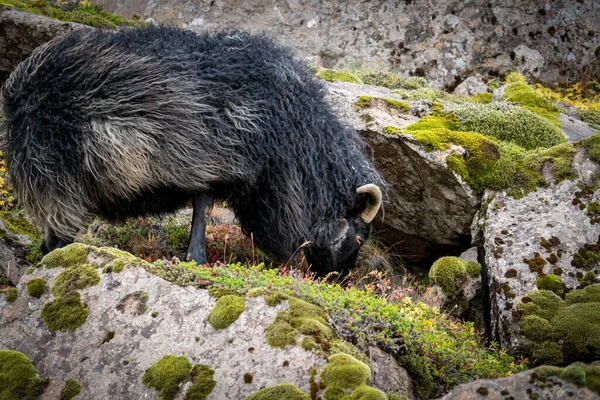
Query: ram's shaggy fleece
x=135 y=122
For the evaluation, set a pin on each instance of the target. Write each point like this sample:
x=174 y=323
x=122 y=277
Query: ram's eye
x=359 y=240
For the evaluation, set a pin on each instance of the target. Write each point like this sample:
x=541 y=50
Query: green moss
x=367 y=101
x=523 y=94
x=301 y=318
x=473 y=268
x=590 y=294
x=537 y=328
x=73 y=278
x=83 y=14
x=310 y=344
x=64 y=313
x=344 y=372
x=588 y=256
x=226 y=311
x=257 y=292
x=546 y=353
x=18 y=379
x=278 y=392
x=396 y=396
x=592 y=146
x=72 y=388
x=167 y=374
x=510 y=124
x=593 y=211
x=109 y=336
x=69 y=256
x=576 y=373
x=483 y=98
x=364 y=392
x=578 y=326
x=589 y=115
x=544 y=303
x=549 y=282
x=17 y=223
x=11 y=294
x=424 y=93
x=392 y=80
x=154 y=314
x=341 y=346
x=511 y=273
x=332 y=76
x=536 y=264
x=203 y=383
x=248 y=378
x=449 y=273
x=275 y=298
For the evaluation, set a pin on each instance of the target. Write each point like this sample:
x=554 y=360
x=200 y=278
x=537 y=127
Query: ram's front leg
x=196 y=250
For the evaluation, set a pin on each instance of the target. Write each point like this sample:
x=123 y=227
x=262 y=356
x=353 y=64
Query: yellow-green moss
x=424 y=93
x=167 y=374
x=203 y=383
x=73 y=278
x=226 y=311
x=310 y=344
x=590 y=294
x=64 y=313
x=509 y=123
x=367 y=101
x=449 y=273
x=589 y=115
x=343 y=374
x=473 y=268
x=11 y=294
x=392 y=80
x=18 y=379
x=592 y=145
x=301 y=318
x=549 y=282
x=16 y=222
x=257 y=292
x=275 y=298
x=523 y=94
x=483 y=98
x=279 y=392
x=332 y=76
x=36 y=287
x=72 y=388
x=69 y=256
x=341 y=346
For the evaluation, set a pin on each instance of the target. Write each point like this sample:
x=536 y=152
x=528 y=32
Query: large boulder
x=428 y=210
x=541 y=251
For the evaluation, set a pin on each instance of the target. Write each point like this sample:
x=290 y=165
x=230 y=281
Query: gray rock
x=574 y=128
x=513 y=231
x=114 y=368
x=388 y=376
x=13 y=250
x=472 y=86
x=520 y=386
x=445 y=41
x=21 y=32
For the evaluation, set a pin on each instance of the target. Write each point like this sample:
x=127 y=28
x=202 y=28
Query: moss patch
x=277 y=392
x=367 y=101
x=332 y=76
x=18 y=379
x=203 y=383
x=64 y=313
x=588 y=256
x=449 y=273
x=167 y=374
x=36 y=287
x=69 y=256
x=301 y=318
x=576 y=373
x=11 y=294
x=562 y=330
x=549 y=282
x=341 y=346
x=592 y=146
x=343 y=374
x=523 y=94
x=72 y=388
x=226 y=311
x=73 y=278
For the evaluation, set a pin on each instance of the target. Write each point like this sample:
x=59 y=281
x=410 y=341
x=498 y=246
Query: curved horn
x=374 y=202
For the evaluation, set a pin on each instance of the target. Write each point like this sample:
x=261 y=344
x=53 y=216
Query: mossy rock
x=167 y=374
x=36 y=287
x=11 y=294
x=18 y=380
x=343 y=374
x=279 y=392
x=72 y=255
x=226 y=311
x=203 y=383
x=449 y=273
x=577 y=373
